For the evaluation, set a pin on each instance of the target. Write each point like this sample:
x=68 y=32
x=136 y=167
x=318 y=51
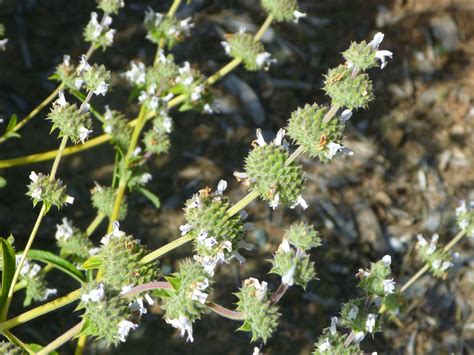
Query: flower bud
x=99 y=34
x=50 y=192
x=110 y=6
x=243 y=46
x=377 y=280
x=303 y=236
x=103 y=199
x=360 y=318
x=261 y=317
x=169 y=29
x=346 y=90
x=283 y=10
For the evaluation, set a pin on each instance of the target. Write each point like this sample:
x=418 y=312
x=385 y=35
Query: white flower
x=84 y=133
x=446 y=265
x=3 y=44
x=275 y=202
x=137 y=151
x=78 y=83
x=207 y=108
x=226 y=46
x=136 y=74
x=380 y=54
x=48 y=292
x=94 y=251
x=298 y=15
x=221 y=187
x=300 y=201
x=431 y=249
x=116 y=233
x=83 y=66
x=66 y=60
x=334 y=148
x=184 y=325
x=64 y=231
x=388 y=286
x=378 y=38
x=186 y=24
x=461 y=209
x=260 y=140
x=345 y=116
x=279 y=137
x=208 y=263
x=69 y=200
x=256 y=351
x=284 y=246
x=109 y=37
x=288 y=277
x=61 y=101
x=124 y=328
x=185 y=228
x=261 y=288
x=240 y=175
x=33 y=176
x=324 y=346
x=197 y=288
x=145 y=178
x=101 y=88
x=370 y=323
x=94 y=24
x=94 y=295
x=36 y=194
x=332 y=328
x=421 y=241
x=353 y=312
x=264 y=60
x=387 y=260
x=358 y=337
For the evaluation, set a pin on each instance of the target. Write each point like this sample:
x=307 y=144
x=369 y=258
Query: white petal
x=260 y=140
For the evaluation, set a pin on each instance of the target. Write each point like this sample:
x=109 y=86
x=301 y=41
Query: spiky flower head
x=120 y=259
x=283 y=10
x=465 y=217
x=72 y=242
x=65 y=72
x=261 y=316
x=347 y=90
x=96 y=77
x=216 y=235
x=268 y=172
x=103 y=198
x=362 y=56
x=36 y=286
x=168 y=29
x=110 y=6
x=185 y=300
x=105 y=315
x=360 y=317
x=98 y=32
x=156 y=139
x=303 y=236
x=116 y=125
x=243 y=46
x=69 y=120
x=308 y=128
x=377 y=281
x=50 y=192
x=7 y=348
x=439 y=260
x=333 y=342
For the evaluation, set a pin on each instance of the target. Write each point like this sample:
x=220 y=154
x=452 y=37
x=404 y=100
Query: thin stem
x=425 y=268
x=81 y=343
x=223 y=71
x=258 y=36
x=225 y=312
x=166 y=248
x=40 y=310
x=171 y=13
x=147 y=287
x=13 y=339
x=71 y=333
x=279 y=293
x=242 y=203
x=35 y=111
x=330 y=114
x=59 y=154
x=94 y=224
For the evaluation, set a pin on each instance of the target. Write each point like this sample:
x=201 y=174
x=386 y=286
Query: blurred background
x=412 y=165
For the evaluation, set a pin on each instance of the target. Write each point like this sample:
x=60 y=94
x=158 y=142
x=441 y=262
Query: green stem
x=71 y=333
x=40 y=310
x=166 y=248
x=258 y=36
x=81 y=343
x=13 y=339
x=225 y=312
x=94 y=224
x=242 y=203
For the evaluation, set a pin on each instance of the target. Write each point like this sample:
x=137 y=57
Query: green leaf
x=8 y=270
x=245 y=327
x=161 y=293
x=94 y=262
x=11 y=123
x=58 y=262
x=37 y=347
x=174 y=281
x=151 y=196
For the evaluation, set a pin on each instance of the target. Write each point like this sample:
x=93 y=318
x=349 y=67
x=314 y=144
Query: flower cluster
x=110 y=6
x=50 y=192
x=364 y=55
x=185 y=301
x=103 y=199
x=333 y=342
x=106 y=313
x=320 y=139
x=243 y=46
x=283 y=10
x=99 y=34
x=465 y=217
x=116 y=125
x=36 y=289
x=65 y=72
x=261 y=316
x=96 y=77
x=72 y=242
x=291 y=260
x=168 y=29
x=10 y=349
x=439 y=260
x=216 y=235
x=70 y=121
x=156 y=139
x=268 y=172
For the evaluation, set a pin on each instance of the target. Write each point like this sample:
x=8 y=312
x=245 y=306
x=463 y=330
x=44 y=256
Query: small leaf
x=36 y=347
x=161 y=293
x=245 y=327
x=174 y=281
x=94 y=262
x=8 y=270
x=151 y=196
x=58 y=262
x=11 y=123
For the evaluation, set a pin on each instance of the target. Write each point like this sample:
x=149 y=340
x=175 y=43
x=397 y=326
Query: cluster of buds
x=261 y=316
x=10 y=348
x=50 y=192
x=216 y=235
x=439 y=260
x=120 y=260
x=99 y=33
x=191 y=83
x=65 y=72
x=3 y=41
x=320 y=139
x=116 y=125
x=465 y=217
x=106 y=314
x=185 y=301
x=283 y=10
x=96 y=77
x=70 y=121
x=364 y=55
x=156 y=139
x=72 y=242
x=333 y=342
x=268 y=172
x=291 y=260
x=243 y=46
x=36 y=289
x=168 y=29
x=110 y=6
x=103 y=199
